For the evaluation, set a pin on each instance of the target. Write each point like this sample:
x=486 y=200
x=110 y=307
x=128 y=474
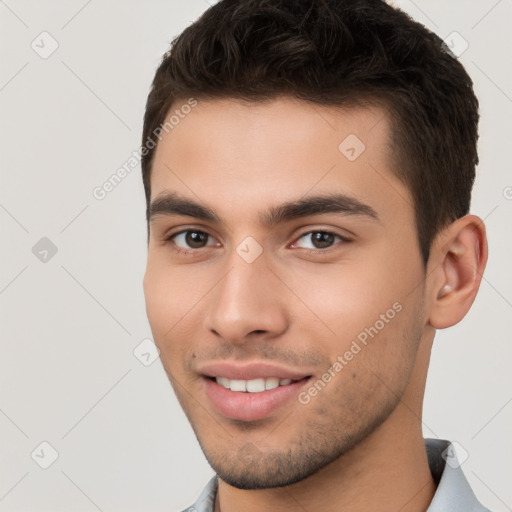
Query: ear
x=457 y=261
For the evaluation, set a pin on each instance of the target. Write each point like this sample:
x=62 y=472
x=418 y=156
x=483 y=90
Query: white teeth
x=223 y=382
x=271 y=383
x=253 y=385
x=238 y=385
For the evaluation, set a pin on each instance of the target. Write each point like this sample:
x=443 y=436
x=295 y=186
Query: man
x=308 y=168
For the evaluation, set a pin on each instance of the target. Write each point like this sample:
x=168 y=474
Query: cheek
x=374 y=367
x=371 y=317
x=347 y=298
x=167 y=301
x=174 y=297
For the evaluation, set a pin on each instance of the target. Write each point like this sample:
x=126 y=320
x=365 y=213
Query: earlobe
x=459 y=256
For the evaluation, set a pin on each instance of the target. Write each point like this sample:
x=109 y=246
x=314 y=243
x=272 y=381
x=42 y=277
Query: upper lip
x=249 y=371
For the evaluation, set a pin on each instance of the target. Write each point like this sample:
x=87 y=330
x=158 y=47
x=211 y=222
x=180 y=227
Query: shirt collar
x=453 y=492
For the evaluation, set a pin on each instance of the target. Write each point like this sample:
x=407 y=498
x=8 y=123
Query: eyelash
x=187 y=252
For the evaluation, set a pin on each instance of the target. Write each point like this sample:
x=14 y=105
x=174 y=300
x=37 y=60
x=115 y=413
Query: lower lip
x=246 y=406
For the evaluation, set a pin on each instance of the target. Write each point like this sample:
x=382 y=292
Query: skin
x=358 y=443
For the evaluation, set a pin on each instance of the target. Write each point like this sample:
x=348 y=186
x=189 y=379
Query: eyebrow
x=174 y=204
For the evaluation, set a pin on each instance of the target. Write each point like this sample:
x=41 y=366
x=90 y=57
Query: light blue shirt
x=453 y=492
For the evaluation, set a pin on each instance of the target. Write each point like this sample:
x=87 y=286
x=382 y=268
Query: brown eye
x=317 y=240
x=322 y=239
x=196 y=239
x=190 y=239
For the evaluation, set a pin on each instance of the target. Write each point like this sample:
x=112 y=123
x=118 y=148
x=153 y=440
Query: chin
x=250 y=469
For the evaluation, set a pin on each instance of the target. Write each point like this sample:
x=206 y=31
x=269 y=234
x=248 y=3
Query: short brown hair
x=339 y=53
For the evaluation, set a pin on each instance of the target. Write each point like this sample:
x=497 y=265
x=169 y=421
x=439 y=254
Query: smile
x=252 y=399
x=252 y=386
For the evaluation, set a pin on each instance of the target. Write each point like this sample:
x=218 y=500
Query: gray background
x=70 y=323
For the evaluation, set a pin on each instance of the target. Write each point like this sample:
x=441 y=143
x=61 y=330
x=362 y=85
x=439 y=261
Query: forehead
x=236 y=153
x=235 y=129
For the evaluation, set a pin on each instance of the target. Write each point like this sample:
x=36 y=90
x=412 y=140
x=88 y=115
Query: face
x=283 y=283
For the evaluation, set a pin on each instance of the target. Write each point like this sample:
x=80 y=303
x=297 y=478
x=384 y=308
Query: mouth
x=258 y=385
x=251 y=392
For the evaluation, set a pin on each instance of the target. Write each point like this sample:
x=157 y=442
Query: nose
x=248 y=303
